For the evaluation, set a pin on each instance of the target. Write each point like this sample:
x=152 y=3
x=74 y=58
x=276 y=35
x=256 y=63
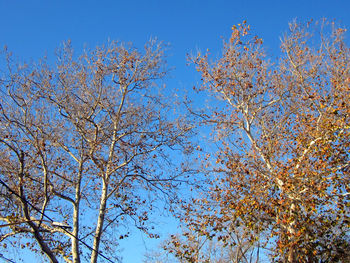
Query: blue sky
x=35 y=28
x=32 y=29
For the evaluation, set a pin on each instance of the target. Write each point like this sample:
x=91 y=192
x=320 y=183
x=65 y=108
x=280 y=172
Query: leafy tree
x=282 y=169
x=82 y=149
x=219 y=247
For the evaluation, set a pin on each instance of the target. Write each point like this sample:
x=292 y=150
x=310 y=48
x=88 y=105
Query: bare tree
x=84 y=149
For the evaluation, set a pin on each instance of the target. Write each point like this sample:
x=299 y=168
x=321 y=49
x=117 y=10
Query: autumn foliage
x=82 y=149
x=281 y=176
x=89 y=146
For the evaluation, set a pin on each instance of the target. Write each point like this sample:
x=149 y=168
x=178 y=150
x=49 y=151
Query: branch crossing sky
x=33 y=29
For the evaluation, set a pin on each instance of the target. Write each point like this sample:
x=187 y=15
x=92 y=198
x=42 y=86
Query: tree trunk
x=100 y=221
x=291 y=232
x=75 y=241
x=44 y=247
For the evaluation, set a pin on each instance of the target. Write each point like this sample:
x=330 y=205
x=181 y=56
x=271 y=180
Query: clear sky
x=32 y=29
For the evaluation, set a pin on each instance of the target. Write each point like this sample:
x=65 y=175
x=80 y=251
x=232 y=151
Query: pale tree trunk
x=75 y=241
x=100 y=221
x=75 y=232
x=43 y=246
x=291 y=232
x=105 y=182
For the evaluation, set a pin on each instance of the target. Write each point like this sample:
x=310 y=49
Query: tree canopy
x=89 y=145
x=83 y=145
x=280 y=180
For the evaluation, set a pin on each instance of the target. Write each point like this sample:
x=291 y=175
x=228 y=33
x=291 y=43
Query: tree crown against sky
x=280 y=180
x=85 y=149
x=34 y=29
